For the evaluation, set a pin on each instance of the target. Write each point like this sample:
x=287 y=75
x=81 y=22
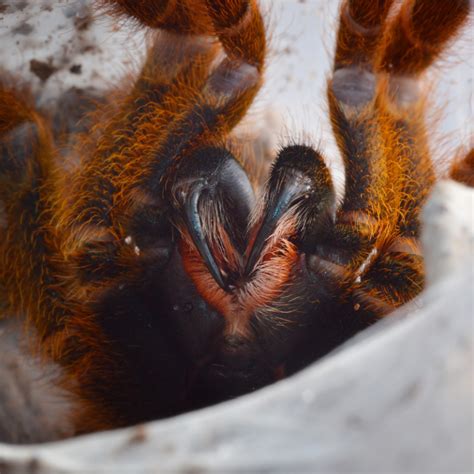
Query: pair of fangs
x=214 y=200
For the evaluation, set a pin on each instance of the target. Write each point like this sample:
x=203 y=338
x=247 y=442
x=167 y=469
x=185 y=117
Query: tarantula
x=139 y=253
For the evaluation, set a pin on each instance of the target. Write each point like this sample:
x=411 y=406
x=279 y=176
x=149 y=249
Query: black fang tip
x=194 y=225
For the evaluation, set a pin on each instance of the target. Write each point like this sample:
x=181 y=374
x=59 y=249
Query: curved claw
x=193 y=223
x=215 y=176
x=290 y=192
x=298 y=173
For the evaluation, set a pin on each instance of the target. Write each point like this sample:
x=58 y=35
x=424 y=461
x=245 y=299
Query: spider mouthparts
x=288 y=194
x=194 y=225
x=214 y=197
x=299 y=183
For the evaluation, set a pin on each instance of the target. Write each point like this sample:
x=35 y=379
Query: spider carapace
x=135 y=245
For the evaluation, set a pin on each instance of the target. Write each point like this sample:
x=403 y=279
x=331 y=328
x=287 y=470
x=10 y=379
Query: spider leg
x=463 y=170
x=31 y=272
x=185 y=105
x=183 y=101
x=177 y=16
x=411 y=42
x=199 y=108
x=26 y=164
x=369 y=205
x=176 y=104
x=367 y=252
x=237 y=23
x=338 y=245
x=19 y=138
x=360 y=29
x=419 y=34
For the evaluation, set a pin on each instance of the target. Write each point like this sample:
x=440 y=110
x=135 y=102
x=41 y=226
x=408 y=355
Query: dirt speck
x=42 y=69
x=23 y=29
x=82 y=22
x=75 y=69
x=88 y=48
x=139 y=435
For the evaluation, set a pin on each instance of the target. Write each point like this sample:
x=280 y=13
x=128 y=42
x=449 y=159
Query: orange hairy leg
x=419 y=35
x=366 y=252
x=412 y=42
x=463 y=170
x=32 y=272
x=52 y=273
x=361 y=260
x=28 y=244
x=360 y=29
x=180 y=102
x=84 y=229
x=369 y=209
x=184 y=16
x=388 y=62
x=224 y=18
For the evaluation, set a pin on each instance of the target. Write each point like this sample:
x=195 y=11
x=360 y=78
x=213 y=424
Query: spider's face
x=233 y=293
x=237 y=286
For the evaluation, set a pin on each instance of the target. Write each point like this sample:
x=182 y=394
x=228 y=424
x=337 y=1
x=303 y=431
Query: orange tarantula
x=131 y=238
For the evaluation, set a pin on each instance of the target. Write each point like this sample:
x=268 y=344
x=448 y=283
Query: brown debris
x=42 y=69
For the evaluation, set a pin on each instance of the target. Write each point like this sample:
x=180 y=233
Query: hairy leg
x=26 y=165
x=463 y=170
x=411 y=42
x=367 y=251
x=182 y=101
x=368 y=211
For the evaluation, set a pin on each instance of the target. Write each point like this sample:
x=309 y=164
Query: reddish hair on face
x=258 y=290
